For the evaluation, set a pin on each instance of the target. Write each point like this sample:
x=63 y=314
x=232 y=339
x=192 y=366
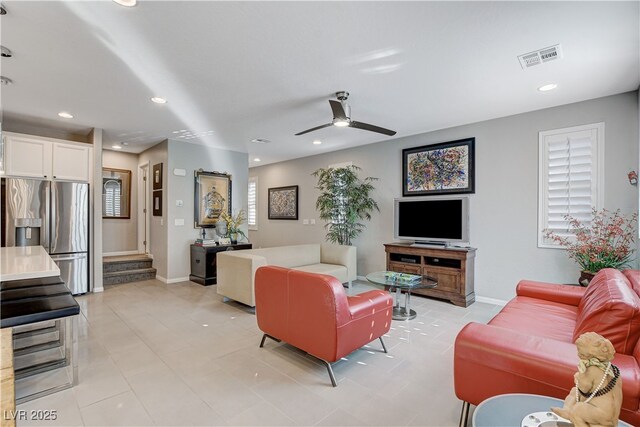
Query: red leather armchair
x=528 y=346
x=312 y=312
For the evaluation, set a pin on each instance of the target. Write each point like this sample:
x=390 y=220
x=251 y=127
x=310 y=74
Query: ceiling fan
x=342 y=117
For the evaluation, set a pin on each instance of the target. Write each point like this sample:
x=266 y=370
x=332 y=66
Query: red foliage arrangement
x=606 y=242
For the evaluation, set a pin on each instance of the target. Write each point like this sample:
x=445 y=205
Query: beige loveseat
x=236 y=270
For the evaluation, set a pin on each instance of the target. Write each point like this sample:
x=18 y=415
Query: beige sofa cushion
x=337 y=271
x=290 y=256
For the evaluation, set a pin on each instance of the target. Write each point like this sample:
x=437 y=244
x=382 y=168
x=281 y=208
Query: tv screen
x=432 y=220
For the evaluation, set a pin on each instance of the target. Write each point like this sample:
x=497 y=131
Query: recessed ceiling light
x=257 y=159
x=117 y=147
x=159 y=100
x=5 y=81
x=3 y=11
x=317 y=142
x=5 y=52
x=546 y=88
x=65 y=115
x=126 y=3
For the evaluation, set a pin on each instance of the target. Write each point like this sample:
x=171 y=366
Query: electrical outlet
x=305 y=222
x=178 y=221
x=313 y=221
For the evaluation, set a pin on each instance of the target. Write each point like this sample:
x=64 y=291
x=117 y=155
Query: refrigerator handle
x=47 y=224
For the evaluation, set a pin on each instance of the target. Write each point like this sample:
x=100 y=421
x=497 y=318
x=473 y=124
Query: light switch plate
x=179 y=172
x=178 y=221
x=179 y=203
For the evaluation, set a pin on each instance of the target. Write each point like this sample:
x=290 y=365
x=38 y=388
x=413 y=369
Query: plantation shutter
x=252 y=214
x=570 y=178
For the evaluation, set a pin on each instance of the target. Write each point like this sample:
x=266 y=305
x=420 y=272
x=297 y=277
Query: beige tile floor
x=177 y=355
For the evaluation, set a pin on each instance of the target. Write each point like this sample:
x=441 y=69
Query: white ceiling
x=234 y=71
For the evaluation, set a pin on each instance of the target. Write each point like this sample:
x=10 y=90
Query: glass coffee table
x=403 y=312
x=511 y=410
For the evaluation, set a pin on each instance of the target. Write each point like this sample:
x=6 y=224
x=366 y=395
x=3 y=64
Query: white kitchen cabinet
x=36 y=157
x=27 y=157
x=71 y=161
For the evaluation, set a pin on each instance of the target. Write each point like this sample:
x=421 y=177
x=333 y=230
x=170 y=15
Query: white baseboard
x=120 y=253
x=162 y=279
x=96 y=290
x=362 y=278
x=176 y=280
x=491 y=300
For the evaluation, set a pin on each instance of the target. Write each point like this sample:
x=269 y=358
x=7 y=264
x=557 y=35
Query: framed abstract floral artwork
x=212 y=196
x=446 y=168
x=283 y=202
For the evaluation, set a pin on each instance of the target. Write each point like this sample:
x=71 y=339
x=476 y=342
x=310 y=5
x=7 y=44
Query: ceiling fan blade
x=338 y=110
x=372 y=128
x=315 y=128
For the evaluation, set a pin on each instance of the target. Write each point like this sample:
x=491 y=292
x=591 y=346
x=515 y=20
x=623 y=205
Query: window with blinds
x=570 y=178
x=252 y=214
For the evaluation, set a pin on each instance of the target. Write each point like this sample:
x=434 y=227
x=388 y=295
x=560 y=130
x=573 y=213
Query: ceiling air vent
x=540 y=56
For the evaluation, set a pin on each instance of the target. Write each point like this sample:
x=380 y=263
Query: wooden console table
x=203 y=262
x=453 y=268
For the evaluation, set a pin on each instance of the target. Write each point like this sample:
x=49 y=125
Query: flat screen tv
x=432 y=220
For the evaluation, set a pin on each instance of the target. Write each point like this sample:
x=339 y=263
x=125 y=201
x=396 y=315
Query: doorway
x=143 y=209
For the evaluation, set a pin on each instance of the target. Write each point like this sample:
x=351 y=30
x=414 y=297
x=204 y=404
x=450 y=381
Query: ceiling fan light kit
x=342 y=117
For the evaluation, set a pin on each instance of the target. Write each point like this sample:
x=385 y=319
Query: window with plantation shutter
x=252 y=214
x=571 y=178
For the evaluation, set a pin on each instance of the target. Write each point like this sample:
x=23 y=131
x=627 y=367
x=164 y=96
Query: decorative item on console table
x=233 y=225
x=203 y=261
x=604 y=241
x=452 y=268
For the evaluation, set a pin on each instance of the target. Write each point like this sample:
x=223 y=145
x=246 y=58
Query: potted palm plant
x=344 y=201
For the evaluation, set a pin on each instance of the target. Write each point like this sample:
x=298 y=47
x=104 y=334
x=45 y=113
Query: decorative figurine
x=597 y=397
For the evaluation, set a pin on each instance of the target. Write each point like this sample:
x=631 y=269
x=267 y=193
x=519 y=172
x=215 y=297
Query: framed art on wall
x=157 y=203
x=446 y=168
x=157 y=176
x=212 y=196
x=283 y=202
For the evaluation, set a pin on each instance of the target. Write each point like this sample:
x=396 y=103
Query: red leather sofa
x=312 y=312
x=528 y=346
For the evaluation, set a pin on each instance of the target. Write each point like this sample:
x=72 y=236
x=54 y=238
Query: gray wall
x=158 y=225
x=192 y=157
x=120 y=235
x=503 y=211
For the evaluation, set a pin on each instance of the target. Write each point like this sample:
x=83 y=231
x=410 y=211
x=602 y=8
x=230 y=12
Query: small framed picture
x=157 y=203
x=283 y=202
x=157 y=176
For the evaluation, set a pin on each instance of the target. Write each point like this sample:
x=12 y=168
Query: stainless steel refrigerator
x=52 y=214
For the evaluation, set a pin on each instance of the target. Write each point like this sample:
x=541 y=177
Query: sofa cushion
x=536 y=317
x=291 y=256
x=610 y=308
x=633 y=276
x=337 y=271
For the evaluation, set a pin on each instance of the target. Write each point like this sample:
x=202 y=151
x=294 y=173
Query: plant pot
x=585 y=277
x=234 y=238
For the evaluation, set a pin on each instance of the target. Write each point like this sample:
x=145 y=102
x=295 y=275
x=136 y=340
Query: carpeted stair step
x=113 y=264
x=117 y=277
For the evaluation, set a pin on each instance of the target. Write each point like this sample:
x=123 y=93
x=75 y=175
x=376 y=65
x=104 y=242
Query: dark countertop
x=35 y=300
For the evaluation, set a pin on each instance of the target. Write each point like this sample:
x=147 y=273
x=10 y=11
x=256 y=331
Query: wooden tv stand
x=451 y=267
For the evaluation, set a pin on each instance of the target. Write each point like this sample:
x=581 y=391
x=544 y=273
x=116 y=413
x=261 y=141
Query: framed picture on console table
x=283 y=202
x=212 y=196
x=446 y=168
